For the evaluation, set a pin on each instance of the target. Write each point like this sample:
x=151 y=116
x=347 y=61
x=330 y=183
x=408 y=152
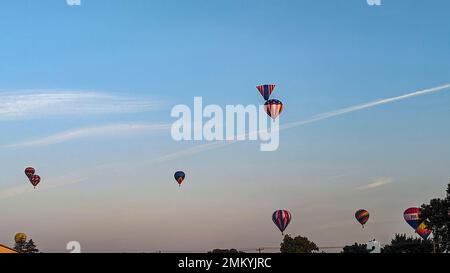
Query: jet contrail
x=326 y=115
x=104 y=130
x=350 y=109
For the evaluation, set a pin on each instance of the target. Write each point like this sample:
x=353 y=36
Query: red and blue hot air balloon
x=281 y=219
x=179 y=177
x=412 y=217
x=35 y=180
x=266 y=90
x=273 y=108
x=362 y=216
x=29 y=171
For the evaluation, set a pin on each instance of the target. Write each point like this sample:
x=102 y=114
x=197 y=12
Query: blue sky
x=116 y=63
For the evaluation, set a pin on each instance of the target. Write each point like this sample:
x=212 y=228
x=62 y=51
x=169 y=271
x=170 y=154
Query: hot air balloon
x=20 y=237
x=273 y=108
x=423 y=231
x=362 y=216
x=179 y=177
x=29 y=171
x=412 y=217
x=266 y=90
x=34 y=180
x=281 y=219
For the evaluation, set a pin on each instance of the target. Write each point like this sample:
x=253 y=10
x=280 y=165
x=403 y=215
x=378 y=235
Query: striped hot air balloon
x=35 y=180
x=362 y=216
x=29 y=171
x=281 y=219
x=266 y=90
x=411 y=217
x=273 y=108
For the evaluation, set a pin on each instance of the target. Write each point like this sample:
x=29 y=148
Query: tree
x=298 y=244
x=26 y=247
x=356 y=248
x=403 y=244
x=436 y=216
x=20 y=246
x=30 y=247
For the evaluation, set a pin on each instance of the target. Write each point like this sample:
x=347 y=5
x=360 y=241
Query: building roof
x=5 y=249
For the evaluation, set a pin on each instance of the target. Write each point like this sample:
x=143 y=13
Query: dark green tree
x=30 y=247
x=356 y=248
x=298 y=244
x=403 y=244
x=436 y=216
x=20 y=246
x=26 y=247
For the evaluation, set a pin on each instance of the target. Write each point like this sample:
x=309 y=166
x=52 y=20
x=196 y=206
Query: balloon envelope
x=411 y=216
x=35 y=180
x=179 y=177
x=423 y=231
x=362 y=216
x=20 y=237
x=273 y=108
x=29 y=171
x=266 y=90
x=281 y=218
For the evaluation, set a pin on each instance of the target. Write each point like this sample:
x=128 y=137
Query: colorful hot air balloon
x=362 y=216
x=273 y=108
x=411 y=216
x=423 y=231
x=281 y=219
x=29 y=171
x=179 y=177
x=20 y=237
x=266 y=90
x=34 y=180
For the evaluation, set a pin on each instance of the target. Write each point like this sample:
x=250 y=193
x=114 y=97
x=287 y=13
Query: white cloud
x=35 y=104
x=375 y=184
x=49 y=184
x=104 y=130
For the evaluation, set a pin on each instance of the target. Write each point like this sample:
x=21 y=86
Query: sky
x=86 y=94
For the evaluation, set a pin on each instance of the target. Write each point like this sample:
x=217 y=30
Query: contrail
x=49 y=184
x=111 y=129
x=33 y=104
x=319 y=117
x=355 y=108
